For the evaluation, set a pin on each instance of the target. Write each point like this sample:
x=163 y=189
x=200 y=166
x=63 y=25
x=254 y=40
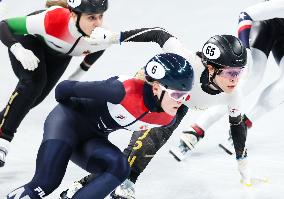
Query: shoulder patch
x=56 y=23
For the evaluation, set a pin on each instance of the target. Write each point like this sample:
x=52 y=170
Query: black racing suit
x=33 y=86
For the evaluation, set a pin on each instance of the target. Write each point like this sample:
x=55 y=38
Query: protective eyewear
x=176 y=94
x=230 y=72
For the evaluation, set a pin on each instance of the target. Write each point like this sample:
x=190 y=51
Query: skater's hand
x=103 y=37
x=191 y=137
x=188 y=140
x=27 y=58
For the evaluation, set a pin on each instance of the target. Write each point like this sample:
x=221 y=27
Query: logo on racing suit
x=143 y=127
x=86 y=52
x=121 y=117
x=41 y=193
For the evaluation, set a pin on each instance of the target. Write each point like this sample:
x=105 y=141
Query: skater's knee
x=119 y=167
x=114 y=163
x=123 y=171
x=31 y=88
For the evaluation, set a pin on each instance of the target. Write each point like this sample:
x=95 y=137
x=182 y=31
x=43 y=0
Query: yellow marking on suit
x=138 y=145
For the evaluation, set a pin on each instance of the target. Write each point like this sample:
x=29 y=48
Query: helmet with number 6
x=171 y=70
x=224 y=51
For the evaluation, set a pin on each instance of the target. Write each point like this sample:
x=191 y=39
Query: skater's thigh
x=98 y=155
x=62 y=124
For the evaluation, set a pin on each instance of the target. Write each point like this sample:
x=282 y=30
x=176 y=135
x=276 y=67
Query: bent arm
x=86 y=64
x=10 y=27
x=238 y=127
x=110 y=90
x=266 y=10
x=166 y=41
x=32 y=24
x=258 y=12
x=157 y=35
x=210 y=116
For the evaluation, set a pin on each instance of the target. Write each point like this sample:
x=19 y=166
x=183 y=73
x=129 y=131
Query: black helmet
x=224 y=51
x=88 y=6
x=171 y=70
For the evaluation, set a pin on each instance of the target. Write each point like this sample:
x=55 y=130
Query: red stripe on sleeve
x=243 y=28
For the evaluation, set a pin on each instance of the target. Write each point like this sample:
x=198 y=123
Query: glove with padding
x=191 y=137
x=103 y=37
x=27 y=58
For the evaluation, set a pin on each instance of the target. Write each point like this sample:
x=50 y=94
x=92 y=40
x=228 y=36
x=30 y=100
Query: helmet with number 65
x=224 y=51
x=170 y=70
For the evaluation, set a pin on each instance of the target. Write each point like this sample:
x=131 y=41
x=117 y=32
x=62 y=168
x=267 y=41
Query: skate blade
x=225 y=149
x=174 y=155
x=255 y=181
x=178 y=158
x=119 y=197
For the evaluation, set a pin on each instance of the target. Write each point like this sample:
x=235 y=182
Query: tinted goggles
x=176 y=94
x=230 y=72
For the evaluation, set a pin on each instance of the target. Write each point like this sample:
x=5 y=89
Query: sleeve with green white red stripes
x=11 y=27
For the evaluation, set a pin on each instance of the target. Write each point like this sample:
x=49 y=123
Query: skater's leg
x=107 y=161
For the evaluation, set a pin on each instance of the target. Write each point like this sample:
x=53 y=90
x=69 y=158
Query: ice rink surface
x=208 y=173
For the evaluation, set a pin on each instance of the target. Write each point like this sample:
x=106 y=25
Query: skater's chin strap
x=206 y=82
x=78 y=24
x=158 y=107
x=152 y=101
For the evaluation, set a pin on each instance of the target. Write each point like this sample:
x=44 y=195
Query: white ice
x=208 y=173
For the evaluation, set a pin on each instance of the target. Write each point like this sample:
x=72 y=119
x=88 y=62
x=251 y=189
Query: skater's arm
x=110 y=90
x=31 y=24
x=90 y=59
x=6 y=34
x=237 y=124
x=144 y=145
x=158 y=35
x=239 y=134
x=258 y=12
x=86 y=64
x=266 y=10
x=210 y=116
